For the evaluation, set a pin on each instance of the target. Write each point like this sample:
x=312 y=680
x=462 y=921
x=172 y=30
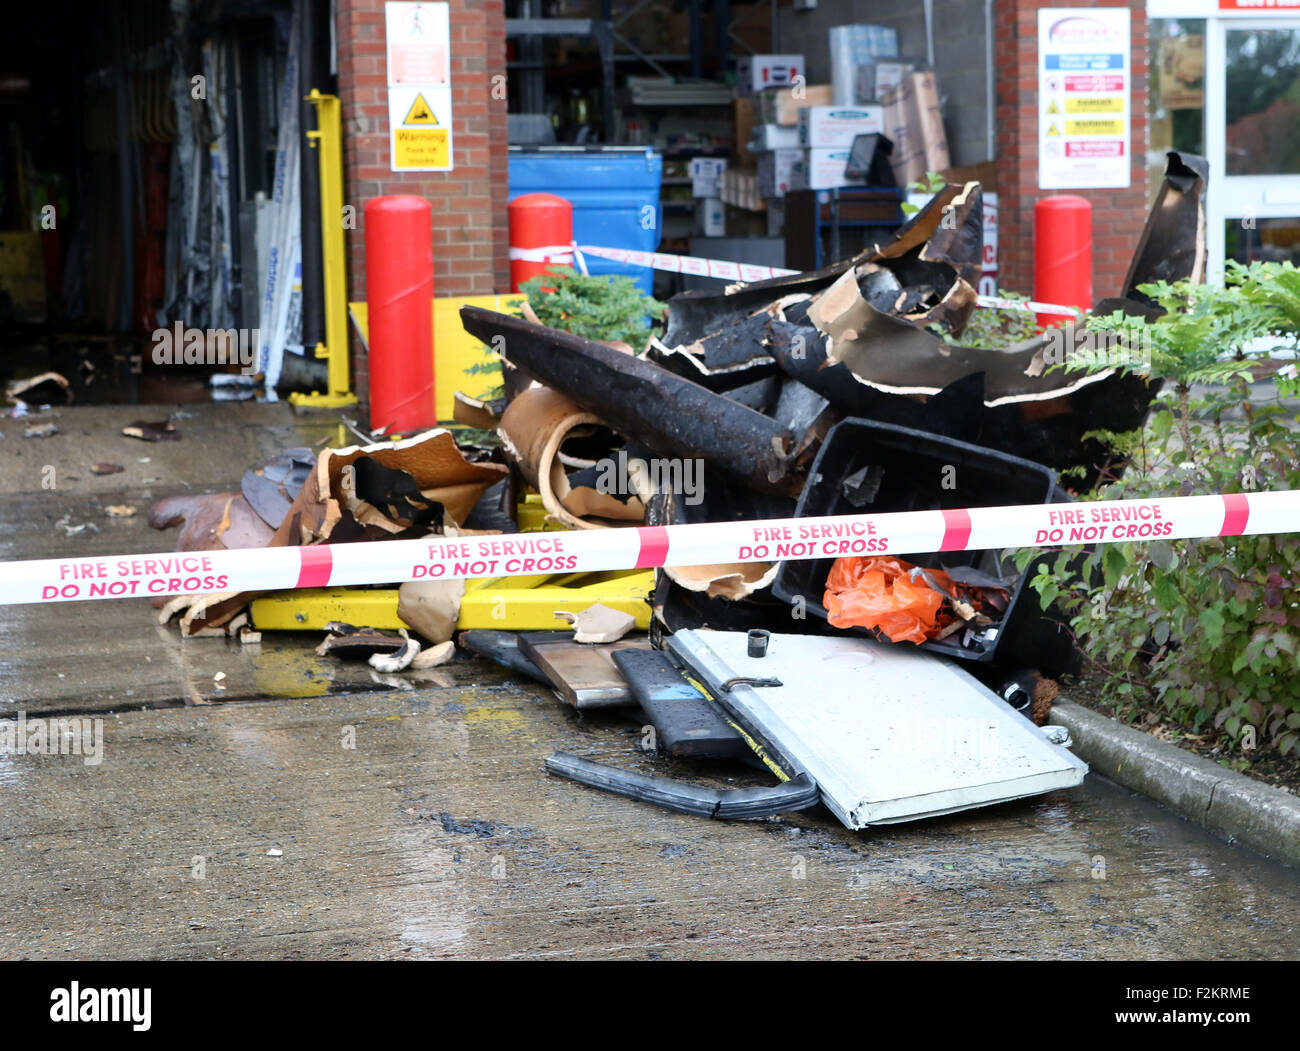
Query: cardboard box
x=877 y=79
x=773 y=137
x=775 y=169
x=706 y=176
x=915 y=124
x=822 y=169
x=824 y=127
x=854 y=46
x=782 y=107
x=756 y=73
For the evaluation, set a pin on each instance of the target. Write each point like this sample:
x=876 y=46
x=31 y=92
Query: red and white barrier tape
x=998 y=303
x=676 y=264
x=564 y=255
x=450 y=558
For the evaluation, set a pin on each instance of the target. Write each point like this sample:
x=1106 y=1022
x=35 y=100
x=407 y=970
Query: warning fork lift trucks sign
x=419 y=86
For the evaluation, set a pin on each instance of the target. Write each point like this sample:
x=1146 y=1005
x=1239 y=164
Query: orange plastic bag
x=875 y=592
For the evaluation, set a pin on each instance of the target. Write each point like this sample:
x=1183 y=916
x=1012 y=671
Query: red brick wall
x=1117 y=215
x=470 y=241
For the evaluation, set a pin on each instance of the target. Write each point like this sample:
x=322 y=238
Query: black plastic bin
x=907 y=470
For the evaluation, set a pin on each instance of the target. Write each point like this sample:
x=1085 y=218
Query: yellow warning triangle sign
x=1053 y=129
x=1053 y=108
x=420 y=112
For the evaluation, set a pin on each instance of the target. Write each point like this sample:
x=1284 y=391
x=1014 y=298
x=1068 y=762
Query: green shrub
x=1206 y=630
x=606 y=307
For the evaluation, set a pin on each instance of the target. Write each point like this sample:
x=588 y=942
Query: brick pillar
x=470 y=240
x=1117 y=215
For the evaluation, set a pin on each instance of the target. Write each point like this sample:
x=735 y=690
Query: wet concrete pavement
x=416 y=820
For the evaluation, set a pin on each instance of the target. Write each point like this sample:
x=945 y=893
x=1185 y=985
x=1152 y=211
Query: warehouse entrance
x=154 y=161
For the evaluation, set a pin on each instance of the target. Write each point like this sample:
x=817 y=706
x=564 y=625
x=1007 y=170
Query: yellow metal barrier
x=328 y=139
x=520 y=603
x=506 y=603
x=454 y=349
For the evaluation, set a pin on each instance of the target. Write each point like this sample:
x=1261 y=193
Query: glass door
x=1253 y=140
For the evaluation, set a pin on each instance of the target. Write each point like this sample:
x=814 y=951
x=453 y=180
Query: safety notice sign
x=419 y=85
x=1083 y=98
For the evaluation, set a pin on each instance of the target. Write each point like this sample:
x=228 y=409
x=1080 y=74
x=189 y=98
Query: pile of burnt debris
x=843 y=391
x=837 y=392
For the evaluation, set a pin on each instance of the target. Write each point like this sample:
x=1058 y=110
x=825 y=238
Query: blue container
x=614 y=191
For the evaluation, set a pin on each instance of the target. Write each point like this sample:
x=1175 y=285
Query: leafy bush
x=1208 y=630
x=994 y=327
x=607 y=307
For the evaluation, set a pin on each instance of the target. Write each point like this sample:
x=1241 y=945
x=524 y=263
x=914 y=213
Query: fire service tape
x=564 y=255
x=599 y=550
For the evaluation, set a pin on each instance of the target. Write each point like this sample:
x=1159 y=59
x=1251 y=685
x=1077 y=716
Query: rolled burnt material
x=694 y=315
x=534 y=431
x=643 y=402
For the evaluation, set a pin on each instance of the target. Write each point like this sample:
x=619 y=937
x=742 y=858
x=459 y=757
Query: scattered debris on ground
x=162 y=431
x=399 y=661
x=598 y=623
x=842 y=391
x=40 y=392
x=360 y=644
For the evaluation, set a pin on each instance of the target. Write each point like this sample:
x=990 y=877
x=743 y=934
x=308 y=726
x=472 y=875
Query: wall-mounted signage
x=1083 y=98
x=419 y=86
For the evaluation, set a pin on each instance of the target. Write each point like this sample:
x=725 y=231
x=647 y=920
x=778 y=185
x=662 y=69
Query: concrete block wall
x=470 y=239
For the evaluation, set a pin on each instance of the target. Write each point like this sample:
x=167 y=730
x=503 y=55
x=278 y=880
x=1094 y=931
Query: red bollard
x=1062 y=254
x=539 y=220
x=399 y=291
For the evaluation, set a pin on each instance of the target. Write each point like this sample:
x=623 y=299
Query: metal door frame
x=1230 y=197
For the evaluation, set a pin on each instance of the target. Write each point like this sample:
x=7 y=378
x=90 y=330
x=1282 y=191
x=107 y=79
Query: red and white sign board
x=1083 y=98
x=418 y=37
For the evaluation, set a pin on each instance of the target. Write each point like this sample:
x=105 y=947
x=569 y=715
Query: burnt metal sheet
x=271 y=486
x=877 y=755
x=694 y=315
x=1172 y=245
x=503 y=648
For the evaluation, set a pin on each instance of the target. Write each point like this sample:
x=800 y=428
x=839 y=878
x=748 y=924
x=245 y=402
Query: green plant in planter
x=599 y=306
x=1208 y=631
x=932 y=183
